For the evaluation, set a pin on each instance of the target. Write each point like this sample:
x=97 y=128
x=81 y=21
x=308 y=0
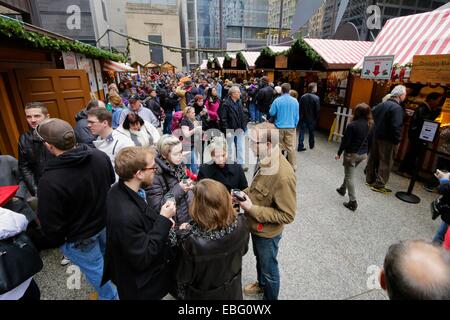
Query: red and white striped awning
x=117 y=67
x=339 y=54
x=420 y=34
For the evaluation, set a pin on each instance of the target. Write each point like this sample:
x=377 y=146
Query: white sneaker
x=64 y=261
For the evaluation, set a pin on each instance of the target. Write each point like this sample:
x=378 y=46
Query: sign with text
x=281 y=62
x=377 y=67
x=429 y=131
x=70 y=61
x=434 y=69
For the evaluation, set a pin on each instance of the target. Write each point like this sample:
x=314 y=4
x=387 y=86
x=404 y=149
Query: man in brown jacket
x=270 y=204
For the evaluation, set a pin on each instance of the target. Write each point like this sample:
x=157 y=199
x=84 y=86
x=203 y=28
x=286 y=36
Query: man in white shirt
x=109 y=141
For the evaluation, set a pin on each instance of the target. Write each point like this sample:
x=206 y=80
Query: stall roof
x=278 y=49
x=250 y=57
x=339 y=54
x=117 y=67
x=420 y=34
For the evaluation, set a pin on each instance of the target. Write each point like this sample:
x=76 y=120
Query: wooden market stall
x=420 y=45
x=167 y=67
x=33 y=68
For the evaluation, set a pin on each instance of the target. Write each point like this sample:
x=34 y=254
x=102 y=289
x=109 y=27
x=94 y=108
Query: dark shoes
x=301 y=149
x=351 y=205
x=339 y=190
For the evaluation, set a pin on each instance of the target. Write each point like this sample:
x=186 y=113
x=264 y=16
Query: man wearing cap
x=72 y=195
x=135 y=106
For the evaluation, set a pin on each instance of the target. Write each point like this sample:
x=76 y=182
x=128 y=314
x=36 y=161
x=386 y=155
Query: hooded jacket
x=147 y=127
x=72 y=195
x=82 y=132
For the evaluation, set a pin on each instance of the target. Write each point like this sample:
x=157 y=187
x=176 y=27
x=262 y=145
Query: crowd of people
x=129 y=196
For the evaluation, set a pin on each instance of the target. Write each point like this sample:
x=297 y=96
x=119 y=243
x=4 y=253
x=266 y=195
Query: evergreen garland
x=13 y=29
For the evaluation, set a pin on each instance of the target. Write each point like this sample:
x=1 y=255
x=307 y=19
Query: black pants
x=33 y=293
x=414 y=152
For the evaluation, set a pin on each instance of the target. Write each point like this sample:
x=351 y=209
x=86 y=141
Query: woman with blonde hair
x=356 y=144
x=209 y=263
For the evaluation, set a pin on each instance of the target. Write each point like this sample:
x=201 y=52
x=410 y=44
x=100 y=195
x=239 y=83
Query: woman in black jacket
x=356 y=144
x=171 y=180
x=232 y=176
x=209 y=259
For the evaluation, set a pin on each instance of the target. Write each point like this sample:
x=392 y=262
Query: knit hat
x=56 y=132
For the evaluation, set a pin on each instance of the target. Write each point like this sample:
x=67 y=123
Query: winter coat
x=232 y=176
x=72 y=195
x=137 y=255
x=309 y=108
x=231 y=115
x=82 y=132
x=33 y=157
x=147 y=127
x=113 y=144
x=209 y=264
x=264 y=98
x=165 y=182
x=388 y=118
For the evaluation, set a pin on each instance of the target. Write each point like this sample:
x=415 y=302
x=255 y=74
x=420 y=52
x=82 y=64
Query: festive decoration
x=13 y=29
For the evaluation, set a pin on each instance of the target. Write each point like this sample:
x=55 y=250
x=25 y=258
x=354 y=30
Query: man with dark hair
x=33 y=155
x=72 y=200
x=109 y=141
x=264 y=97
x=416 y=270
x=285 y=110
x=135 y=105
x=82 y=132
x=309 y=114
x=428 y=110
x=139 y=251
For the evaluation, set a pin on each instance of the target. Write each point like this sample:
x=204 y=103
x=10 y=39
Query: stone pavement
x=328 y=251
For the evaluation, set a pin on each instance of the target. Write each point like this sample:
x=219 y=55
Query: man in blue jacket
x=285 y=110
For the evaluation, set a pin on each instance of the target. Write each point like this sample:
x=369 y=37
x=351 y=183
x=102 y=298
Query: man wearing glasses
x=139 y=249
x=72 y=194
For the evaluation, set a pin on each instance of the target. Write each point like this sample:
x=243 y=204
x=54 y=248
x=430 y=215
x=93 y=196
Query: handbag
x=19 y=261
x=440 y=208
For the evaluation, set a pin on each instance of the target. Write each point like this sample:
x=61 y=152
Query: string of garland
x=13 y=29
x=408 y=65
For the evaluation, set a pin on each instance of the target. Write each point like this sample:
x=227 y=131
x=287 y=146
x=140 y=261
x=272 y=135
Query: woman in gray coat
x=170 y=180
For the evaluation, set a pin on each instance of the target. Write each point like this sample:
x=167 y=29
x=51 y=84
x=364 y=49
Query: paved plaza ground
x=328 y=251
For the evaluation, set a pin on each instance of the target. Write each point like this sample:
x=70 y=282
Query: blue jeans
x=88 y=256
x=440 y=234
x=266 y=251
x=168 y=124
x=193 y=166
x=311 y=126
x=255 y=114
x=236 y=145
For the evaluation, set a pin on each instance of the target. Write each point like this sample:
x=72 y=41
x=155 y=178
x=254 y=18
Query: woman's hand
x=442 y=175
x=186 y=186
x=337 y=157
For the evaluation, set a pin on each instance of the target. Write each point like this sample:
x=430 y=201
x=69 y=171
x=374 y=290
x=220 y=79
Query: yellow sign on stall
x=434 y=69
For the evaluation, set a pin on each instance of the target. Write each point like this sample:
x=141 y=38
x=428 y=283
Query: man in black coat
x=427 y=111
x=33 y=155
x=265 y=96
x=388 y=118
x=82 y=132
x=138 y=252
x=309 y=114
x=72 y=194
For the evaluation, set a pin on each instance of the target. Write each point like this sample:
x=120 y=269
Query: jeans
x=168 y=124
x=255 y=114
x=193 y=166
x=266 y=250
x=88 y=256
x=440 y=234
x=236 y=144
x=351 y=161
x=311 y=126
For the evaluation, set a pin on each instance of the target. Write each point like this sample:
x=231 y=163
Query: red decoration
x=7 y=193
x=259 y=227
x=191 y=175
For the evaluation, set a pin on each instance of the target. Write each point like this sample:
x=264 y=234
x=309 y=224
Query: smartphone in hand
x=236 y=193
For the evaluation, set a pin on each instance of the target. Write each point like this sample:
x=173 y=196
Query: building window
x=156 y=52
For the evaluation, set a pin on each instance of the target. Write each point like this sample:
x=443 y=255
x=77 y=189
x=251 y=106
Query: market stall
x=420 y=46
x=167 y=67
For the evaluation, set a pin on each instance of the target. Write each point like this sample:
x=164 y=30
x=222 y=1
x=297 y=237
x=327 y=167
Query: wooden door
x=9 y=134
x=64 y=92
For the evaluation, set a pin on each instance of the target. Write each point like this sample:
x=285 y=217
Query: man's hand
x=168 y=210
x=247 y=205
x=442 y=175
x=337 y=157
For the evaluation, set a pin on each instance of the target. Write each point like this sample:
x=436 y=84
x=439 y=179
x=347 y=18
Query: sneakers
x=430 y=188
x=339 y=190
x=253 y=289
x=351 y=205
x=64 y=261
x=381 y=189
